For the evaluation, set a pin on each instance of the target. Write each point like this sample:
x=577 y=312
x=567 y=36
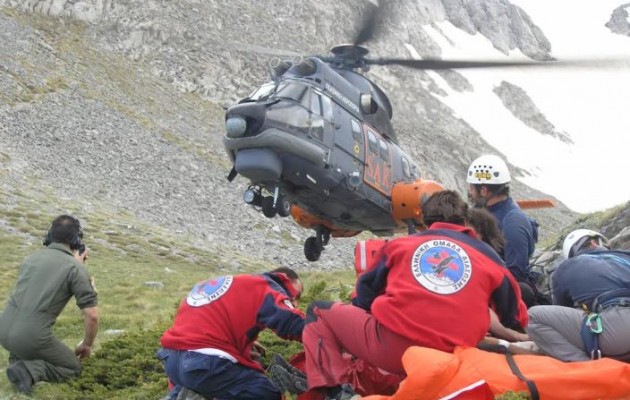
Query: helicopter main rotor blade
x=437 y=64
x=370 y=24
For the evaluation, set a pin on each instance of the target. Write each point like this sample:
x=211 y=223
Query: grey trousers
x=556 y=330
x=46 y=357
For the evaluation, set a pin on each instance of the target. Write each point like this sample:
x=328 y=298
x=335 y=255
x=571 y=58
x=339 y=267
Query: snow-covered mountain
x=586 y=104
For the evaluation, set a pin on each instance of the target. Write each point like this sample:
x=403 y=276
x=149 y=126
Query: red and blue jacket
x=435 y=288
x=227 y=313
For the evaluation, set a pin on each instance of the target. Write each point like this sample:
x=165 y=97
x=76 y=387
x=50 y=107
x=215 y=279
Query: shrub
x=124 y=368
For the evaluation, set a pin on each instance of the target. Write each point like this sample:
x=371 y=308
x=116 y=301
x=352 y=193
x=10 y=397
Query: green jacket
x=47 y=281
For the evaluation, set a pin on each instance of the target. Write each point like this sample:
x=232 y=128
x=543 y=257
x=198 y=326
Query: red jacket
x=228 y=313
x=435 y=288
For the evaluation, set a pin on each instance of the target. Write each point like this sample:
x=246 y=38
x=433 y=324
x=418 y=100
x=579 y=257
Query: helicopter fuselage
x=309 y=136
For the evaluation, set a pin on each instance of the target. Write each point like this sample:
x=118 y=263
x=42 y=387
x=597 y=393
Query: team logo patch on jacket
x=208 y=291
x=441 y=266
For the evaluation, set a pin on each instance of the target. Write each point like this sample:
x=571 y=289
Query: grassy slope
x=125 y=252
x=122 y=260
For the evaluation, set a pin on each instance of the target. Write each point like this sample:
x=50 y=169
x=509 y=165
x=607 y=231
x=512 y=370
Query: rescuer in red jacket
x=209 y=347
x=429 y=289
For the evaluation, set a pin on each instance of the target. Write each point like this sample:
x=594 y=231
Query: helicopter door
x=378 y=164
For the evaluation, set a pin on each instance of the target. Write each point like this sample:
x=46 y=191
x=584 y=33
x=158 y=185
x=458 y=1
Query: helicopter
x=316 y=143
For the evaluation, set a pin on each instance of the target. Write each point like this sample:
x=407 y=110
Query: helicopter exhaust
x=305 y=67
x=282 y=66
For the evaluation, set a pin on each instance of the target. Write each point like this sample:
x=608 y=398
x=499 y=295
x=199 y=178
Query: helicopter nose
x=244 y=119
x=235 y=126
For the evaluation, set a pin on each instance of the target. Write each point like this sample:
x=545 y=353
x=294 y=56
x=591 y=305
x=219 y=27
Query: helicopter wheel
x=268 y=209
x=283 y=207
x=312 y=249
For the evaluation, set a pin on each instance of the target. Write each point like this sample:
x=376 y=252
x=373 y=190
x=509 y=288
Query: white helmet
x=488 y=169
x=577 y=238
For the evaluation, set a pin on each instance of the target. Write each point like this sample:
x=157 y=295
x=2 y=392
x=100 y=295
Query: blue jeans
x=216 y=377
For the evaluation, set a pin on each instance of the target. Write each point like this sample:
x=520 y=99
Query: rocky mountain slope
x=619 y=22
x=117 y=105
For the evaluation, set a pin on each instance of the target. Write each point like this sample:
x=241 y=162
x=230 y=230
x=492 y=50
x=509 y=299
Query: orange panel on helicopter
x=407 y=197
x=309 y=221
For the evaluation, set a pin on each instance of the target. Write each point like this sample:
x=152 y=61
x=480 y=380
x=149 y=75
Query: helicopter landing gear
x=276 y=204
x=268 y=208
x=283 y=207
x=253 y=196
x=314 y=245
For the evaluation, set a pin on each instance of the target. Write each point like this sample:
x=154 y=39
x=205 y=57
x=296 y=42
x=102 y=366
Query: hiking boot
x=286 y=377
x=277 y=359
x=286 y=381
x=343 y=392
x=20 y=377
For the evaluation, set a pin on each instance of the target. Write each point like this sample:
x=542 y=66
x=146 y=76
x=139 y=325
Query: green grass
x=124 y=255
x=123 y=366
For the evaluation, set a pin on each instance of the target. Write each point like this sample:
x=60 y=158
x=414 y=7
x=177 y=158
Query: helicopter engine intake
x=305 y=67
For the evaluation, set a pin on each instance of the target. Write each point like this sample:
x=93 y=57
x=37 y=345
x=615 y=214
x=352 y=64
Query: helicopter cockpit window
x=405 y=168
x=293 y=91
x=327 y=108
x=372 y=142
x=316 y=106
x=289 y=115
x=384 y=150
x=356 y=131
x=263 y=91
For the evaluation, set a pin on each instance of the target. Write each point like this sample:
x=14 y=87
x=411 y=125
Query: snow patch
x=590 y=104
